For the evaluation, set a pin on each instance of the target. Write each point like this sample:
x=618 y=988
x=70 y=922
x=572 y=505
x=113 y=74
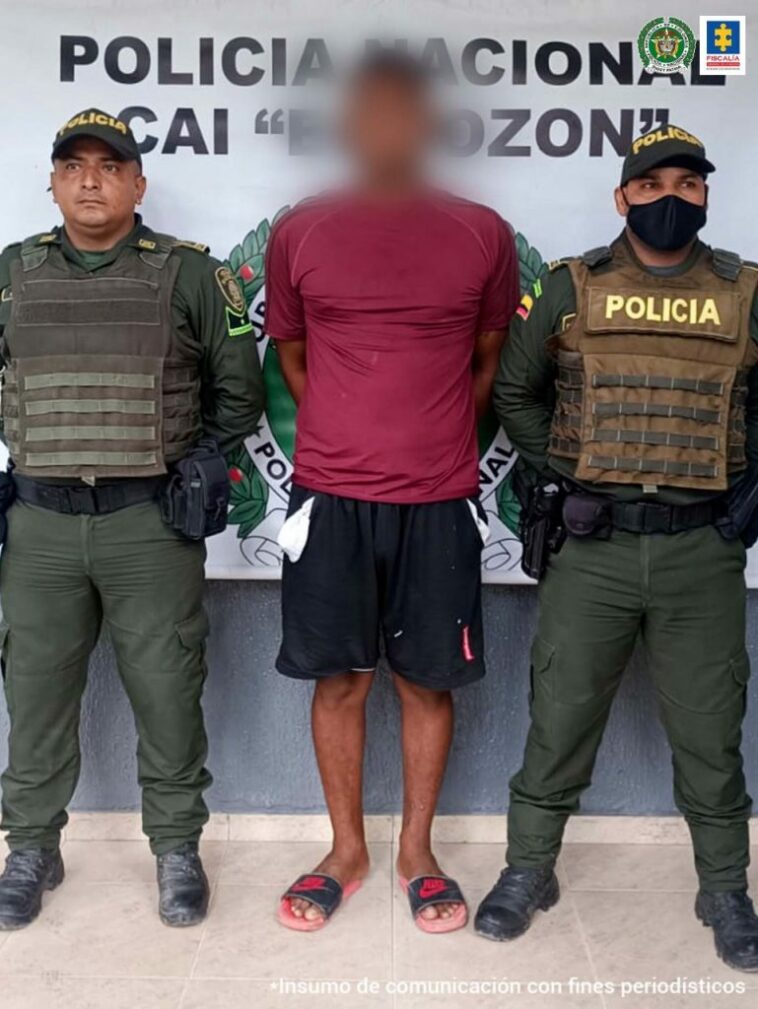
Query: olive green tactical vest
x=96 y=384
x=652 y=371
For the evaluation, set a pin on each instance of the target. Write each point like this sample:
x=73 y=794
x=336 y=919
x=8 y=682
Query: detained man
x=389 y=303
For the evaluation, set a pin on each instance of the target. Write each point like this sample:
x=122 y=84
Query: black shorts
x=411 y=573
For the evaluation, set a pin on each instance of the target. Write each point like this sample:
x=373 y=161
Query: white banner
x=548 y=95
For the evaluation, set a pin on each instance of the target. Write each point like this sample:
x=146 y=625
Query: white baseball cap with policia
x=670 y=145
x=102 y=126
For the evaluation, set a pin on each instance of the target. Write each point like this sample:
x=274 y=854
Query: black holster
x=7 y=497
x=586 y=515
x=196 y=500
x=740 y=518
x=541 y=527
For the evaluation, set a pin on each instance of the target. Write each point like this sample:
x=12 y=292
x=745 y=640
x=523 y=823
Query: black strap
x=726 y=264
x=324 y=892
x=425 y=891
x=654 y=517
x=86 y=500
x=596 y=257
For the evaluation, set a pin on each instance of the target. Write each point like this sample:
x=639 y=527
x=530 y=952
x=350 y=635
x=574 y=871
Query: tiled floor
x=625 y=917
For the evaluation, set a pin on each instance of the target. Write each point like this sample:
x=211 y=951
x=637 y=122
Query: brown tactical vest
x=652 y=371
x=96 y=384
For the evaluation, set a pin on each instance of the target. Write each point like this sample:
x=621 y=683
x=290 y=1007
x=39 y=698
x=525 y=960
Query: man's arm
x=292 y=360
x=285 y=312
x=484 y=364
x=524 y=393
x=499 y=299
x=232 y=389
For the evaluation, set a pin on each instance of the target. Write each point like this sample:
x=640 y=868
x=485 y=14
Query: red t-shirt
x=389 y=301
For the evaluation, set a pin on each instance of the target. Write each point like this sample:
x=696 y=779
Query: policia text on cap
x=630 y=390
x=120 y=376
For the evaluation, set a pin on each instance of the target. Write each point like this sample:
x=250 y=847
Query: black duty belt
x=653 y=517
x=87 y=500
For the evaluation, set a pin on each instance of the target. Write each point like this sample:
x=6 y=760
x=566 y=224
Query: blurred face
x=659 y=182
x=94 y=190
x=388 y=128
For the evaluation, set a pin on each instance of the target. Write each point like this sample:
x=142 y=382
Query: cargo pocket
x=740 y=669
x=4 y=629
x=541 y=668
x=194 y=630
x=192 y=633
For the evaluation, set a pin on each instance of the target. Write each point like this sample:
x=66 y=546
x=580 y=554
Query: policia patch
x=230 y=289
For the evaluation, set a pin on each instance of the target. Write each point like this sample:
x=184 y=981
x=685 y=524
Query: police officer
x=119 y=358
x=630 y=382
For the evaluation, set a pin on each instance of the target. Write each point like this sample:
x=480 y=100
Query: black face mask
x=666 y=224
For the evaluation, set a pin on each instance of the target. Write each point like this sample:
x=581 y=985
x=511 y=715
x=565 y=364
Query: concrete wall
x=261 y=753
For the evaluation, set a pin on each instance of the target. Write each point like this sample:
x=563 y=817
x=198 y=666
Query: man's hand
x=484 y=366
x=292 y=359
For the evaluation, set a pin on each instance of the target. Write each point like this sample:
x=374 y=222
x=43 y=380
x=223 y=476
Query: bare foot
x=344 y=867
x=423 y=863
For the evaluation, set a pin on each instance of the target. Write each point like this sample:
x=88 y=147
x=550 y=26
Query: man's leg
x=590 y=606
x=427 y=735
x=432 y=625
x=51 y=621
x=339 y=736
x=695 y=635
x=590 y=610
x=151 y=584
x=330 y=624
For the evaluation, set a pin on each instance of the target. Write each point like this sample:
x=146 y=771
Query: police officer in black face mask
x=629 y=387
x=664 y=209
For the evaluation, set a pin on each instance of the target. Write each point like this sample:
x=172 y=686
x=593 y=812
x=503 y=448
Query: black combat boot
x=28 y=873
x=735 y=926
x=507 y=910
x=183 y=887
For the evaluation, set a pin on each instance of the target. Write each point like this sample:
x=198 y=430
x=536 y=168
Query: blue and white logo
x=722 y=44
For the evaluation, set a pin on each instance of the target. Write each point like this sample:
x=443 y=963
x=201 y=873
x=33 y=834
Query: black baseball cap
x=96 y=123
x=670 y=145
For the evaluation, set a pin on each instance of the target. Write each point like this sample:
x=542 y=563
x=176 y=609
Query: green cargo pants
x=61 y=578
x=684 y=595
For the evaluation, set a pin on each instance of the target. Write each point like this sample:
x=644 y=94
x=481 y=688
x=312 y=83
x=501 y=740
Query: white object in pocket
x=293 y=534
x=481 y=525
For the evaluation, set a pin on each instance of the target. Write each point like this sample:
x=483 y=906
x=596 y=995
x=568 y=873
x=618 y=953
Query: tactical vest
x=652 y=371
x=96 y=384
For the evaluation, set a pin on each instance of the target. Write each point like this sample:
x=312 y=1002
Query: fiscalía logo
x=666 y=46
x=723 y=42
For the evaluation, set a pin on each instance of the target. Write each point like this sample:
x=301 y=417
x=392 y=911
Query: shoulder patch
x=197 y=246
x=230 y=289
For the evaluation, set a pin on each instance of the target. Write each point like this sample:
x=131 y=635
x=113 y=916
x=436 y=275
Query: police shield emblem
x=230 y=289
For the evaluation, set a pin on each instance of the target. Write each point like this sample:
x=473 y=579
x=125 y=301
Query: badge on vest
x=230 y=289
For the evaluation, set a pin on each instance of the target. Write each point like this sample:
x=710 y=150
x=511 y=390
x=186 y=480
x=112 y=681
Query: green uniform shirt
x=524 y=392
x=232 y=389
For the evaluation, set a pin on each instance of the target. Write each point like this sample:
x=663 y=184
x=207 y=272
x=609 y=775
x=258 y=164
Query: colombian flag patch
x=525 y=306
